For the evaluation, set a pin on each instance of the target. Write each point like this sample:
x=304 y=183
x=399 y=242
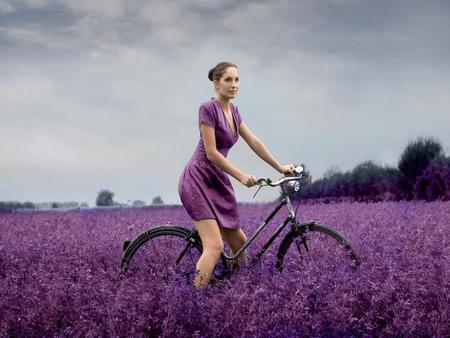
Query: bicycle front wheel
x=315 y=247
x=162 y=253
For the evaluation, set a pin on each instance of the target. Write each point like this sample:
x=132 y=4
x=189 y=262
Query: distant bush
x=416 y=157
x=434 y=183
x=370 y=181
x=138 y=203
x=157 y=200
x=28 y=205
x=423 y=173
x=366 y=182
x=8 y=206
x=105 y=198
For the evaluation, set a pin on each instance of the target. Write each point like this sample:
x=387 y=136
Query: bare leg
x=235 y=239
x=209 y=232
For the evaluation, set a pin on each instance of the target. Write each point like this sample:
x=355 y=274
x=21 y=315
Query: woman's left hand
x=287 y=169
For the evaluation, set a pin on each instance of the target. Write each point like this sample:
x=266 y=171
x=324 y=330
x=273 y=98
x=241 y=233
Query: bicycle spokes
x=164 y=257
x=317 y=250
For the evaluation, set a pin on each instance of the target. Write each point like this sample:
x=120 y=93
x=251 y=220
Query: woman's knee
x=209 y=232
x=235 y=238
x=214 y=247
x=239 y=238
x=243 y=237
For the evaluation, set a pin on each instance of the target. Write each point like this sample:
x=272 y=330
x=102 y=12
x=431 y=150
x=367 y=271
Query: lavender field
x=58 y=277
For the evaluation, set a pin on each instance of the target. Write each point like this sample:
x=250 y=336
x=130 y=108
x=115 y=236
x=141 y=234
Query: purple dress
x=205 y=189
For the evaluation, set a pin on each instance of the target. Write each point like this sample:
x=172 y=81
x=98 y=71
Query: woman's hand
x=287 y=169
x=248 y=180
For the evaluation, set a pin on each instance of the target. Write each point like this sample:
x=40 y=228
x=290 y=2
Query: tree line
x=104 y=198
x=422 y=173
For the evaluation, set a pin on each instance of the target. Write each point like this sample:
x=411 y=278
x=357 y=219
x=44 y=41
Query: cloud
x=107 y=92
x=5 y=7
x=103 y=8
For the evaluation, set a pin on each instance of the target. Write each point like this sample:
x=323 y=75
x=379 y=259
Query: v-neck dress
x=205 y=190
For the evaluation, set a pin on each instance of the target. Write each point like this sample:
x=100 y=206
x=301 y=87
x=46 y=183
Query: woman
x=204 y=187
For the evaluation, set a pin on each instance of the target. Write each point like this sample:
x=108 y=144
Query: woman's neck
x=224 y=102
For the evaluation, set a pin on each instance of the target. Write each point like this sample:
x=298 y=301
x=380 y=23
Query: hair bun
x=216 y=73
x=211 y=74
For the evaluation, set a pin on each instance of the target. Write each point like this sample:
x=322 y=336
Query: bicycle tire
x=327 y=248
x=154 y=252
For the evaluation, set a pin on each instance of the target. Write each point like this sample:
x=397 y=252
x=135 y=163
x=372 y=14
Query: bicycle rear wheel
x=163 y=253
x=315 y=247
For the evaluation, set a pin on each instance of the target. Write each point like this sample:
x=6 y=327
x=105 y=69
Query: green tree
x=434 y=183
x=104 y=198
x=416 y=157
x=138 y=203
x=157 y=200
x=28 y=205
x=9 y=206
x=363 y=178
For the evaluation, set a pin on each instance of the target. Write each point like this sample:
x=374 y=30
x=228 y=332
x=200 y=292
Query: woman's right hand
x=248 y=180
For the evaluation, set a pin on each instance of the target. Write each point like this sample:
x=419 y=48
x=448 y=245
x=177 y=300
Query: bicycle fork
x=300 y=230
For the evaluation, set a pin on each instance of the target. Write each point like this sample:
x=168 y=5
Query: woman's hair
x=216 y=72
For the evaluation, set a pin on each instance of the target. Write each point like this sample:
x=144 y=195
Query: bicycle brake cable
x=298 y=204
x=260 y=182
x=257 y=190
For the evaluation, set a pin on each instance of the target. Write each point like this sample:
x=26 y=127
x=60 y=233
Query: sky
x=105 y=94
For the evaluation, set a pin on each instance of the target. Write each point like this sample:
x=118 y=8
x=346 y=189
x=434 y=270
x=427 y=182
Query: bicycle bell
x=298 y=169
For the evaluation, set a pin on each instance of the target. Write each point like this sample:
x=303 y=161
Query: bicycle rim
x=154 y=256
x=321 y=249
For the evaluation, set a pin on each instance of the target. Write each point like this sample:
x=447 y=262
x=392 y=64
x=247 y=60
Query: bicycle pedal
x=224 y=274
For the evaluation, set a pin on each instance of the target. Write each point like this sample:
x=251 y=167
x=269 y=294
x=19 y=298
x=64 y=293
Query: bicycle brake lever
x=260 y=182
x=257 y=191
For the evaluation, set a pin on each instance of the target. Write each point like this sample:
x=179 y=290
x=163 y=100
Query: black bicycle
x=169 y=251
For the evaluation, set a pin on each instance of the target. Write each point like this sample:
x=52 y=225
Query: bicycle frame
x=291 y=218
x=297 y=230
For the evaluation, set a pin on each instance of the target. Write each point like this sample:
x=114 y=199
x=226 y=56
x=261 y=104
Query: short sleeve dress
x=205 y=190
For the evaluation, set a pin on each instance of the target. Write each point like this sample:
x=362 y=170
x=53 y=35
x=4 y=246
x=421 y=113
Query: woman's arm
x=258 y=147
x=209 y=141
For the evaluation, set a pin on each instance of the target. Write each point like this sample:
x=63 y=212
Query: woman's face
x=228 y=84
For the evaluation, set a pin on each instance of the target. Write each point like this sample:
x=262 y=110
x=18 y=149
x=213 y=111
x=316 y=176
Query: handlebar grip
x=263 y=179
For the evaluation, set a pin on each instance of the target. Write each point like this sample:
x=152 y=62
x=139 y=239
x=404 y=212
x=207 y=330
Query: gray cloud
x=106 y=93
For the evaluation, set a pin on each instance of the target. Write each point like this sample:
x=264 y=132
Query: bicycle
x=182 y=247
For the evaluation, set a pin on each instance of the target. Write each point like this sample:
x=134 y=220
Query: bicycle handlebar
x=268 y=182
x=297 y=171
